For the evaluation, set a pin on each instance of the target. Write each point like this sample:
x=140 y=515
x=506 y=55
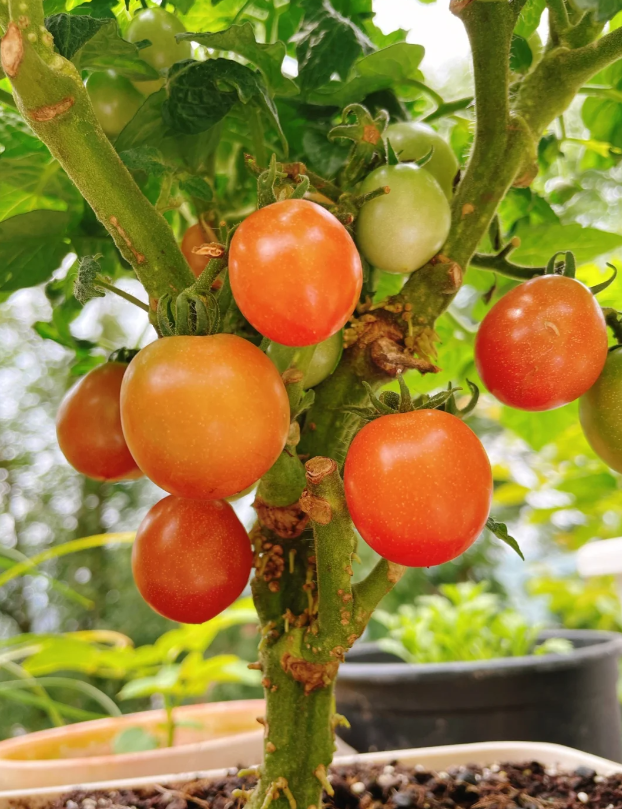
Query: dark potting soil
x=503 y=786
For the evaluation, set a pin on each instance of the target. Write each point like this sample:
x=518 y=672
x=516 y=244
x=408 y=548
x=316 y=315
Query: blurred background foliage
x=550 y=488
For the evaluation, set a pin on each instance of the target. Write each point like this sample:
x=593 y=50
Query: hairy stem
x=51 y=96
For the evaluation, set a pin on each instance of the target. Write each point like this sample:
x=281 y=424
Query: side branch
x=51 y=96
x=369 y=592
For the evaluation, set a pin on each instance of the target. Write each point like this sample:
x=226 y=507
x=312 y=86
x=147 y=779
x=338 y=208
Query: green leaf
x=500 y=530
x=146 y=127
x=145 y=158
x=539 y=429
x=197 y=187
x=162 y=682
x=72 y=32
x=328 y=43
x=603 y=10
x=105 y=49
x=200 y=94
x=134 y=740
x=529 y=18
x=521 y=56
x=539 y=243
x=240 y=39
x=32 y=246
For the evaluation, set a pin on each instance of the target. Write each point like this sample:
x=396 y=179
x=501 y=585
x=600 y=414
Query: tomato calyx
x=613 y=319
x=390 y=402
x=603 y=286
x=368 y=144
x=190 y=313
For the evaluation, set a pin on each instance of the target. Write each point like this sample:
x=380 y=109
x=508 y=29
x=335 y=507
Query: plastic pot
x=566 y=699
x=438 y=758
x=215 y=734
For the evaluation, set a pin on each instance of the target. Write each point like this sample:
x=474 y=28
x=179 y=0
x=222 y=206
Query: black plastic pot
x=569 y=699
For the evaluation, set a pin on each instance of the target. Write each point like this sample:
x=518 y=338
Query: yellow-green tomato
x=402 y=230
x=159 y=27
x=600 y=412
x=114 y=100
x=412 y=140
x=323 y=363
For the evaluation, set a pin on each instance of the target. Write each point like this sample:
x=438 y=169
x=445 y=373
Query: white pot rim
x=437 y=758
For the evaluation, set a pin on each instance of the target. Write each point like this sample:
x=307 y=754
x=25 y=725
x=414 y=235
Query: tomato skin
x=295 y=272
x=205 y=417
x=191 y=559
x=114 y=99
x=418 y=486
x=401 y=231
x=194 y=237
x=412 y=140
x=600 y=412
x=159 y=27
x=324 y=361
x=543 y=344
x=88 y=426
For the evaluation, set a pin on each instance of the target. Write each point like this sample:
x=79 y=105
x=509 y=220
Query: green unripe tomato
x=401 y=231
x=600 y=412
x=114 y=100
x=412 y=140
x=323 y=363
x=159 y=27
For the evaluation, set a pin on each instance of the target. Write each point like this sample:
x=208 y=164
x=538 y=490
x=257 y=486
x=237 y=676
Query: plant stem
x=100 y=282
x=51 y=96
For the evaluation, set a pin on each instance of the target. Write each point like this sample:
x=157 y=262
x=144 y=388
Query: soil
x=502 y=786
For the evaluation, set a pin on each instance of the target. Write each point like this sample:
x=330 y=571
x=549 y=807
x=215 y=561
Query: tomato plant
x=194 y=237
x=543 y=344
x=418 y=487
x=295 y=272
x=159 y=27
x=191 y=559
x=114 y=100
x=600 y=412
x=205 y=417
x=413 y=140
x=399 y=232
x=323 y=362
x=88 y=426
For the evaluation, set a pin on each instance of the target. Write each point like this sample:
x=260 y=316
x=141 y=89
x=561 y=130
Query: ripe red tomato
x=88 y=426
x=418 y=486
x=194 y=237
x=295 y=272
x=543 y=344
x=191 y=558
x=205 y=417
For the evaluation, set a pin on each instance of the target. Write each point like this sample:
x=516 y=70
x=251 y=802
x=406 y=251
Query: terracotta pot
x=438 y=758
x=226 y=735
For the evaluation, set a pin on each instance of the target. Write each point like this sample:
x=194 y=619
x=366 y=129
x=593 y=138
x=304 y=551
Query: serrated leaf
x=32 y=246
x=240 y=39
x=146 y=127
x=71 y=32
x=197 y=187
x=500 y=530
x=529 y=18
x=200 y=94
x=106 y=49
x=540 y=242
x=328 y=43
x=147 y=159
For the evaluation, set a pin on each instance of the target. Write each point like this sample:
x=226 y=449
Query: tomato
x=324 y=361
x=399 y=232
x=114 y=99
x=600 y=412
x=543 y=344
x=194 y=237
x=191 y=558
x=88 y=426
x=412 y=140
x=159 y=27
x=295 y=272
x=418 y=486
x=205 y=417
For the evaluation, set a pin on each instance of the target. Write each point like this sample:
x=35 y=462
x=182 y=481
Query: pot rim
x=604 y=645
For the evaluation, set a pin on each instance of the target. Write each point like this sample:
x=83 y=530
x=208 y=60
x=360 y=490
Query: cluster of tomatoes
x=205 y=417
